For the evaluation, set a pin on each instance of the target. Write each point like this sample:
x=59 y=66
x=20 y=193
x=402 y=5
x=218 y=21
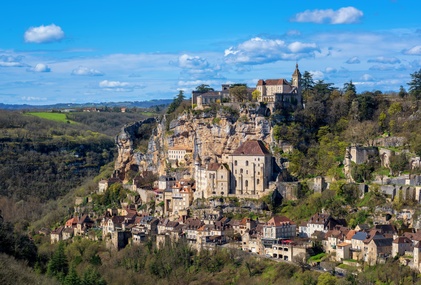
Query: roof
x=401 y=240
x=383 y=242
x=319 y=218
x=254 y=147
x=279 y=221
x=350 y=234
x=213 y=166
x=360 y=236
x=279 y=81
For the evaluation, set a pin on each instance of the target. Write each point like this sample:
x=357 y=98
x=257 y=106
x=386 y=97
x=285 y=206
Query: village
x=195 y=206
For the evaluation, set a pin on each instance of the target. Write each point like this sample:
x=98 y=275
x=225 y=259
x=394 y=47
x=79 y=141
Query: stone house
x=319 y=223
x=211 y=180
x=56 y=235
x=251 y=169
x=279 y=227
x=252 y=240
x=401 y=245
x=378 y=248
x=334 y=237
x=357 y=245
x=83 y=225
x=179 y=155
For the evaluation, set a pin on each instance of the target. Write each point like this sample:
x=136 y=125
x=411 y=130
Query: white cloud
x=317 y=74
x=32 y=98
x=259 y=51
x=44 y=34
x=86 y=71
x=40 y=67
x=385 y=60
x=11 y=61
x=186 y=61
x=353 y=60
x=416 y=50
x=196 y=68
x=297 y=47
x=345 y=15
x=331 y=70
x=118 y=86
x=367 y=77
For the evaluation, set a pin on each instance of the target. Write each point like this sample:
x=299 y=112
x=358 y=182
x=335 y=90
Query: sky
x=134 y=50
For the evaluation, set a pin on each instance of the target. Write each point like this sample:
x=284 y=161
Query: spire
x=296 y=71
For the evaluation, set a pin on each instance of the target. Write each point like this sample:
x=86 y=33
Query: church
x=278 y=93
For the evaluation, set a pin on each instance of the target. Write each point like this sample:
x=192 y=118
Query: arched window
x=247 y=163
x=247 y=183
x=241 y=171
x=235 y=163
x=258 y=181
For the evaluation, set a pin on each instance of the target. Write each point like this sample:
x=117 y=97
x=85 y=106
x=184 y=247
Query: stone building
x=211 y=180
x=251 y=169
x=277 y=93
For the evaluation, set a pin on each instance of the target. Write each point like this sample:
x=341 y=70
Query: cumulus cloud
x=187 y=61
x=118 y=86
x=40 y=67
x=258 y=51
x=331 y=70
x=353 y=60
x=86 y=71
x=197 y=68
x=367 y=77
x=11 y=61
x=345 y=15
x=317 y=74
x=385 y=60
x=416 y=50
x=44 y=34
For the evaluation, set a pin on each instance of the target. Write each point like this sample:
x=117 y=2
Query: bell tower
x=296 y=78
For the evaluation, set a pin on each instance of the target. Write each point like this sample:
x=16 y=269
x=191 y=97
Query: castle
x=275 y=93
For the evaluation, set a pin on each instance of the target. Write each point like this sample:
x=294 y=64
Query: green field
x=58 y=117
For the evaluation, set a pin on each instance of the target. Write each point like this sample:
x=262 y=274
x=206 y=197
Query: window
x=247 y=172
x=247 y=163
x=258 y=181
x=247 y=183
x=235 y=163
x=241 y=171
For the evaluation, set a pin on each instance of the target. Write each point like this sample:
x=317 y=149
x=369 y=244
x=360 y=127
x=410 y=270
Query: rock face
x=129 y=156
x=210 y=137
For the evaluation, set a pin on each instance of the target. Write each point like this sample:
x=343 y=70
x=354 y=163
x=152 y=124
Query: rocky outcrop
x=210 y=137
x=130 y=157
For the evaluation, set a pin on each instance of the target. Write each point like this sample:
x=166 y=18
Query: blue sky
x=132 y=50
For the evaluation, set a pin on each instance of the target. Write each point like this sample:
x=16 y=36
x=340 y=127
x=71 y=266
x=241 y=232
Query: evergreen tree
x=415 y=85
x=72 y=278
x=58 y=265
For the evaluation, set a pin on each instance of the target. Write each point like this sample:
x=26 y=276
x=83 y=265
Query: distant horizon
x=138 y=51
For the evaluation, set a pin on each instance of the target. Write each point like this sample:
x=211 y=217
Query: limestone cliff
x=209 y=136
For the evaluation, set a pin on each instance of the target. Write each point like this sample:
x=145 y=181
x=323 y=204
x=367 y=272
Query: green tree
x=402 y=92
x=415 y=85
x=203 y=88
x=239 y=93
x=349 y=87
x=72 y=278
x=307 y=82
x=326 y=279
x=255 y=95
x=58 y=265
x=176 y=102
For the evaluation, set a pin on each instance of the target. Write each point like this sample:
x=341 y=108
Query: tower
x=296 y=78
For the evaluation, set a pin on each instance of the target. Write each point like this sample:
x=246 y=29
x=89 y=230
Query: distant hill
x=139 y=104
